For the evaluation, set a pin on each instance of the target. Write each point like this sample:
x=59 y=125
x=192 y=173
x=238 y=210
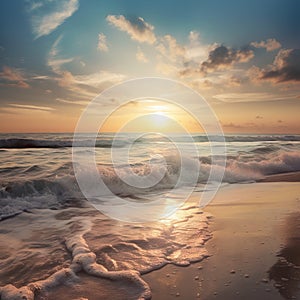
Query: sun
x=148 y=115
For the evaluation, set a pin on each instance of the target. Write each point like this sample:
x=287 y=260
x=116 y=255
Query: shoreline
x=249 y=232
x=254 y=251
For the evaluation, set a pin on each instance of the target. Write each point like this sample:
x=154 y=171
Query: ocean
x=56 y=244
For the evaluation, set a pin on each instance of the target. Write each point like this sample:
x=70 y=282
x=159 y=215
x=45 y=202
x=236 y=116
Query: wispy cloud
x=170 y=48
x=102 y=42
x=88 y=86
x=167 y=68
x=140 y=56
x=44 y=21
x=137 y=28
x=269 y=44
x=83 y=86
x=252 y=97
x=97 y=79
x=13 y=77
x=35 y=5
x=196 y=50
x=32 y=107
x=232 y=125
x=80 y=102
x=54 y=61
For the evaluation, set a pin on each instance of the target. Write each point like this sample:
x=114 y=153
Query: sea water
x=55 y=245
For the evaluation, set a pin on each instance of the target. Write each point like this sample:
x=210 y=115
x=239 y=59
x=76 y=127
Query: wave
x=25 y=195
x=263 y=138
x=258 y=166
x=108 y=141
x=60 y=189
x=265 y=149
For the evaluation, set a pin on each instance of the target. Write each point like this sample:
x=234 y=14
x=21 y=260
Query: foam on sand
x=98 y=249
x=82 y=260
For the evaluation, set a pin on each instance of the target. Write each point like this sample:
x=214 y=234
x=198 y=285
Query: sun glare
x=150 y=115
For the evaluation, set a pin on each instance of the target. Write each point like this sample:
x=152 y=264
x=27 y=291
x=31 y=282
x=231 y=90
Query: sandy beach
x=254 y=252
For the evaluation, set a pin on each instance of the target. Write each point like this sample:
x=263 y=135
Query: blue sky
x=242 y=56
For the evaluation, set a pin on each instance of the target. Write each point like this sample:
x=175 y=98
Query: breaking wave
x=59 y=188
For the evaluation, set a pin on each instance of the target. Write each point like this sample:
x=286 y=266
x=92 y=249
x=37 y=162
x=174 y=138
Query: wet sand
x=255 y=249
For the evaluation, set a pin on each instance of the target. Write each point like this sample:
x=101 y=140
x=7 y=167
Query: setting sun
x=150 y=115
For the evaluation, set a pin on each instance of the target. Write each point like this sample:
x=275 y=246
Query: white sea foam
x=59 y=188
x=99 y=247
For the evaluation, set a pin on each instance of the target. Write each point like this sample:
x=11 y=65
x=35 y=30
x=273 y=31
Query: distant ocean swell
x=107 y=141
x=17 y=143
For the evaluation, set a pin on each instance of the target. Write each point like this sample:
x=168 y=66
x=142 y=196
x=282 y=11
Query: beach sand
x=255 y=249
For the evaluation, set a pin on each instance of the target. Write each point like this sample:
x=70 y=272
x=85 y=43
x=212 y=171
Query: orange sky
x=52 y=67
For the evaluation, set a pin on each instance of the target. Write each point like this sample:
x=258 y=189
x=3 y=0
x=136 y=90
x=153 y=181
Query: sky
x=243 y=57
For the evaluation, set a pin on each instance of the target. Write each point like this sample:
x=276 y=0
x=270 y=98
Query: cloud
x=251 y=97
x=285 y=68
x=13 y=77
x=35 y=5
x=140 y=56
x=45 y=23
x=170 y=57
x=11 y=74
x=80 y=102
x=234 y=81
x=232 y=125
x=40 y=77
x=66 y=79
x=98 y=78
x=166 y=68
x=196 y=50
x=194 y=37
x=32 y=107
x=55 y=62
x=269 y=44
x=254 y=74
x=137 y=28
x=201 y=84
x=222 y=57
x=102 y=42
x=218 y=58
x=169 y=48
x=88 y=86
x=83 y=86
